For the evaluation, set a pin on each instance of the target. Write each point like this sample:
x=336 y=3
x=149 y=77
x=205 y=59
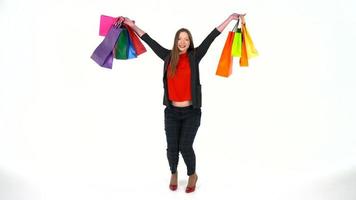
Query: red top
x=179 y=88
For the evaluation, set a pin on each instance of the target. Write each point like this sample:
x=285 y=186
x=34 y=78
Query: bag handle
x=119 y=21
x=236 y=25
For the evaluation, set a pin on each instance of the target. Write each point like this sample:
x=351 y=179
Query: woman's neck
x=182 y=52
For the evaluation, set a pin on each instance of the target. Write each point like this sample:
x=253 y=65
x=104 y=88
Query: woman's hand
x=119 y=20
x=235 y=16
x=129 y=22
x=242 y=17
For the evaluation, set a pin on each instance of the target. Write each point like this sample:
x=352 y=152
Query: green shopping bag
x=122 y=45
x=236 y=44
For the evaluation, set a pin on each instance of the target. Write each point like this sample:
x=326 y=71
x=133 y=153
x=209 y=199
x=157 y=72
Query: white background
x=283 y=128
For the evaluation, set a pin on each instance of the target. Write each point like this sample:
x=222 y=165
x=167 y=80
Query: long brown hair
x=175 y=50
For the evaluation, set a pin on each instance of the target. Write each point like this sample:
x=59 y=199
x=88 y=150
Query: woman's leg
x=172 y=128
x=190 y=125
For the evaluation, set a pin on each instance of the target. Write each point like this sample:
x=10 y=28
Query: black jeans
x=181 y=125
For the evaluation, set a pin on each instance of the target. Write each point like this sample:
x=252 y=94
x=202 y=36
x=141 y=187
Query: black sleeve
x=204 y=46
x=157 y=48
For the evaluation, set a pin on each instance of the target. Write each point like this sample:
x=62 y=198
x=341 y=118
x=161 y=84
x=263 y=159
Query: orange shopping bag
x=225 y=63
x=244 y=57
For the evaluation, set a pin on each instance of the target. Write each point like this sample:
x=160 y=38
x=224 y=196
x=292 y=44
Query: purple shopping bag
x=103 y=54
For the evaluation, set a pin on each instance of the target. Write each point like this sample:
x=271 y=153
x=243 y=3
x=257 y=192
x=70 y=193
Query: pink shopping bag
x=105 y=24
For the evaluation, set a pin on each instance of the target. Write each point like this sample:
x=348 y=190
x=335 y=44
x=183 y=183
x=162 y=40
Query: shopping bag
x=139 y=47
x=105 y=24
x=236 y=44
x=108 y=61
x=131 y=52
x=121 y=46
x=103 y=53
x=244 y=57
x=225 y=63
x=250 y=47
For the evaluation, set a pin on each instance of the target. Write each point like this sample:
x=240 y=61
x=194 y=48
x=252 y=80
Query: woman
x=182 y=94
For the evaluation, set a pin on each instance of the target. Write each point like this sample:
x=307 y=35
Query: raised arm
x=204 y=46
x=155 y=46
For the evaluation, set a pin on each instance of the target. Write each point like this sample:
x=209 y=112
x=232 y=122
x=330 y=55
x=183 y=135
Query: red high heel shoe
x=173 y=187
x=191 y=189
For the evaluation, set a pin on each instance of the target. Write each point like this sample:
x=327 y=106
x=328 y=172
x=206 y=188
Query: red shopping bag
x=136 y=42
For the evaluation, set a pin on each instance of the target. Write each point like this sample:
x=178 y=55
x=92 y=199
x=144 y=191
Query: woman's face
x=183 y=42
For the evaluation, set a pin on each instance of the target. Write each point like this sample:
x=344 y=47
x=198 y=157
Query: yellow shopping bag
x=250 y=47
